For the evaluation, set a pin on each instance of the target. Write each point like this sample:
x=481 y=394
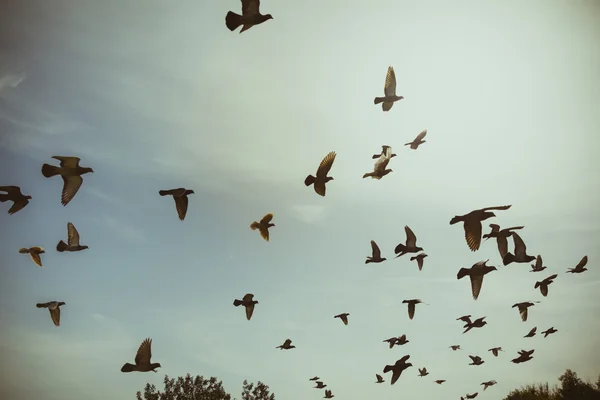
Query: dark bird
x=320 y=385
x=472 y=396
x=34 y=252
x=379 y=378
x=287 y=345
x=472 y=224
x=250 y=16
x=476 y=360
x=410 y=246
x=375 y=254
x=181 y=199
x=537 y=267
x=392 y=341
x=579 y=268
x=13 y=193
x=343 y=317
x=54 y=308
x=440 y=381
x=523 y=308
x=531 y=332
x=549 y=331
x=72 y=240
x=520 y=255
x=419 y=258
x=383 y=152
x=263 y=226
x=423 y=372
x=402 y=340
x=248 y=302
x=543 y=285
x=142 y=359
x=328 y=394
x=495 y=350
x=71 y=172
x=465 y=318
x=380 y=168
x=501 y=236
x=397 y=368
x=524 y=356
x=321 y=179
x=476 y=274
x=411 y=306
x=417 y=141
x=389 y=89
x=315 y=378
x=478 y=323
x=455 y=347
x=488 y=384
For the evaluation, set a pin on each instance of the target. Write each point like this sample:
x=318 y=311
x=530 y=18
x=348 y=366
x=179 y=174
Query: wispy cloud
x=308 y=213
x=126 y=230
x=11 y=80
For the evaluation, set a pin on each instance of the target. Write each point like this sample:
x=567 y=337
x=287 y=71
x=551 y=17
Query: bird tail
x=40 y=305
x=400 y=250
x=237 y=302
x=61 y=246
x=408 y=144
x=23 y=251
x=3 y=197
x=127 y=367
x=454 y=220
x=379 y=100
x=413 y=258
x=368 y=260
x=254 y=226
x=309 y=180
x=387 y=368
x=508 y=258
x=50 y=170
x=462 y=273
x=367 y=175
x=233 y=20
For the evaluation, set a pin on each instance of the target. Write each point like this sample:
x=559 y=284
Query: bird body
x=142 y=359
x=397 y=368
x=383 y=152
x=180 y=195
x=375 y=254
x=549 y=331
x=54 y=308
x=440 y=381
x=543 y=285
x=71 y=172
x=419 y=258
x=488 y=384
x=423 y=372
x=34 y=253
x=455 y=347
x=523 y=308
x=478 y=323
x=13 y=193
x=410 y=246
x=328 y=394
x=263 y=226
x=380 y=168
x=495 y=350
x=537 y=267
x=287 y=345
x=321 y=177
x=520 y=255
x=524 y=355
x=402 y=340
x=580 y=267
x=248 y=302
x=476 y=360
x=476 y=274
x=389 y=89
x=72 y=241
x=417 y=141
x=250 y=16
x=472 y=224
x=320 y=385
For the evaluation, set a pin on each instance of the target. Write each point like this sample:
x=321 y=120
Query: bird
x=375 y=254
x=523 y=308
x=411 y=306
x=579 y=268
x=180 y=196
x=549 y=331
x=397 y=368
x=478 y=323
x=419 y=258
x=320 y=385
x=531 y=332
x=71 y=172
x=501 y=236
x=380 y=168
x=250 y=16
x=54 y=308
x=72 y=240
x=383 y=151
x=423 y=371
x=417 y=141
x=440 y=381
x=392 y=341
x=34 y=252
x=410 y=246
x=379 y=378
x=476 y=360
x=13 y=193
x=455 y=347
x=537 y=267
x=328 y=394
x=287 y=345
x=543 y=285
x=389 y=89
x=465 y=318
x=263 y=226
x=471 y=396
x=321 y=179
x=343 y=317
x=314 y=378
x=520 y=255
x=142 y=359
x=248 y=302
x=476 y=274
x=495 y=350
x=472 y=224
x=524 y=355
x=402 y=340
x=488 y=384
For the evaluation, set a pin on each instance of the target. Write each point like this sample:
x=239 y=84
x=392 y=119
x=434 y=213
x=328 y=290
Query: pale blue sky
x=156 y=95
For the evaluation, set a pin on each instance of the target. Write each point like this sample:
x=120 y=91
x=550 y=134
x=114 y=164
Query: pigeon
x=328 y=394
x=402 y=340
x=419 y=258
x=465 y=318
x=287 y=345
x=543 y=285
x=343 y=317
x=476 y=360
x=455 y=347
x=410 y=246
x=54 y=308
x=34 y=252
x=417 y=141
x=501 y=236
x=471 y=396
x=478 y=323
x=72 y=241
x=180 y=196
x=531 y=332
x=379 y=378
x=389 y=90
x=440 y=381
x=495 y=350
x=142 y=359
x=321 y=179
x=71 y=173
x=523 y=308
x=472 y=224
x=383 y=151
x=248 y=302
x=476 y=274
x=423 y=372
x=520 y=255
x=549 y=331
x=250 y=16
x=488 y=384
x=320 y=385
x=314 y=378
x=392 y=341
x=524 y=356
x=579 y=268
x=411 y=306
x=537 y=267
x=380 y=168
x=13 y=193
x=397 y=368
x=263 y=226
x=375 y=254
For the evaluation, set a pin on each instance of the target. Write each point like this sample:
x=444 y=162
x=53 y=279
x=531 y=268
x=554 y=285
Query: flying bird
x=71 y=172
x=501 y=236
x=250 y=16
x=417 y=141
x=476 y=360
x=478 y=323
x=343 y=317
x=579 y=268
x=397 y=368
x=72 y=240
x=419 y=258
x=472 y=396
x=455 y=347
x=411 y=306
x=523 y=308
x=524 y=355
x=472 y=224
x=375 y=254
x=142 y=359
x=392 y=341
x=440 y=381
x=321 y=179
x=531 y=332
x=287 y=345
x=383 y=152
x=328 y=394
x=543 y=285
x=423 y=372
x=488 y=384
x=402 y=340
x=389 y=90
x=495 y=350
x=465 y=318
x=248 y=302
x=379 y=378
x=410 y=246
x=13 y=193
x=180 y=196
x=476 y=274
x=320 y=385
x=549 y=331
x=315 y=378
x=54 y=308
x=34 y=252
x=380 y=168
x=263 y=226
x=520 y=255
x=537 y=267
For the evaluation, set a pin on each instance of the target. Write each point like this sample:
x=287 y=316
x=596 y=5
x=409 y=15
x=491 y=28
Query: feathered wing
x=250 y=7
x=248 y=297
x=411 y=239
x=411 y=310
x=523 y=312
x=69 y=162
x=390 y=83
x=476 y=282
x=496 y=208
x=520 y=248
x=71 y=185
x=502 y=245
x=325 y=165
x=387 y=105
x=375 y=250
x=249 y=311
x=582 y=263
x=266 y=219
x=18 y=205
x=55 y=315
x=473 y=234
x=181 y=204
x=538 y=262
x=144 y=353
x=420 y=263
x=36 y=258
x=72 y=235
x=421 y=135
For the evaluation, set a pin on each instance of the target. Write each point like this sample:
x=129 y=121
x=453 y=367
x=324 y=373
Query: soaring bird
x=478 y=323
x=379 y=378
x=495 y=350
x=389 y=90
x=523 y=308
x=476 y=274
x=520 y=255
x=250 y=16
x=531 y=332
x=380 y=168
x=54 y=308
x=320 y=385
x=410 y=246
x=263 y=226
x=314 y=378
x=375 y=254
x=71 y=173
x=343 y=317
x=142 y=359
x=417 y=141
x=440 y=381
x=248 y=302
x=180 y=196
x=328 y=394
x=472 y=224
x=524 y=355
x=13 y=193
x=455 y=347
x=321 y=179
x=501 y=236
x=287 y=345
x=423 y=372
x=383 y=152
x=471 y=396
x=543 y=285
x=397 y=368
x=549 y=331
x=34 y=252
x=537 y=267
x=579 y=268
x=411 y=306
x=72 y=240
x=419 y=258
x=476 y=360
x=488 y=384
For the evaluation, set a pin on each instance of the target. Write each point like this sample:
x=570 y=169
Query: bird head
x=329 y=178
x=87 y=169
x=156 y=365
x=28 y=197
x=268 y=16
x=483 y=323
x=270 y=225
x=488 y=214
x=419 y=248
x=408 y=365
x=84 y=247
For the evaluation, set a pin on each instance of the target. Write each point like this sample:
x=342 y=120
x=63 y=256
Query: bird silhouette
x=411 y=306
x=531 y=333
x=328 y=394
x=72 y=241
x=419 y=258
x=343 y=317
x=440 y=381
x=423 y=372
x=380 y=168
x=478 y=323
x=580 y=267
x=34 y=253
x=455 y=347
x=13 y=193
x=375 y=254
x=476 y=274
x=472 y=224
x=321 y=179
x=263 y=226
x=524 y=355
x=410 y=246
x=180 y=196
x=520 y=255
x=501 y=236
x=495 y=350
x=379 y=378
x=488 y=384
x=383 y=151
x=523 y=308
x=250 y=17
x=543 y=285
x=287 y=345
x=389 y=89
x=476 y=360
x=417 y=141
x=142 y=359
x=320 y=385
x=248 y=302
x=54 y=308
x=549 y=331
x=71 y=172
x=397 y=368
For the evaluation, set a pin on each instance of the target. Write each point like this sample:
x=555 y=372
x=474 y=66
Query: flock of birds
x=71 y=173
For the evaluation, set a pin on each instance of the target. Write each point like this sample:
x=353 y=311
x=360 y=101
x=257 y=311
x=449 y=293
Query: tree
x=571 y=388
x=258 y=392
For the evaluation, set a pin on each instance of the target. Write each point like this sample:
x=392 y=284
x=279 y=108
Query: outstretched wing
x=421 y=135
x=375 y=250
x=248 y=297
x=411 y=239
x=473 y=233
x=72 y=235
x=520 y=248
x=497 y=208
x=71 y=185
x=250 y=7
x=144 y=352
x=266 y=219
x=181 y=204
x=390 y=82
x=325 y=165
x=69 y=162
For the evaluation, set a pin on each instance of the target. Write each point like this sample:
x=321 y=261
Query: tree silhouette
x=571 y=388
x=258 y=392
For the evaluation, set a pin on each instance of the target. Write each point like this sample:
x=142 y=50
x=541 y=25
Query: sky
x=158 y=95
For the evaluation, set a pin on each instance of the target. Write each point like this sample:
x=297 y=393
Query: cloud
x=124 y=229
x=11 y=80
x=308 y=213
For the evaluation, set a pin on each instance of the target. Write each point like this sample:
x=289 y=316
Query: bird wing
x=249 y=311
x=582 y=263
x=420 y=263
x=325 y=165
x=496 y=208
x=287 y=342
x=404 y=359
x=144 y=353
x=390 y=83
x=476 y=282
x=248 y=297
x=55 y=315
x=520 y=248
x=538 y=262
x=495 y=227
x=382 y=162
x=375 y=250
x=502 y=245
x=344 y=319
x=72 y=235
x=387 y=105
x=473 y=233
x=411 y=310
x=411 y=239
x=250 y=7
x=11 y=190
x=18 y=205
x=36 y=258
x=523 y=312
x=71 y=186
x=266 y=219
x=379 y=377
x=421 y=135
x=69 y=162
x=181 y=204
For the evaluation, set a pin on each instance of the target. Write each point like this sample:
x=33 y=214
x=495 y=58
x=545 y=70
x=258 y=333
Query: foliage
x=258 y=392
x=571 y=388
